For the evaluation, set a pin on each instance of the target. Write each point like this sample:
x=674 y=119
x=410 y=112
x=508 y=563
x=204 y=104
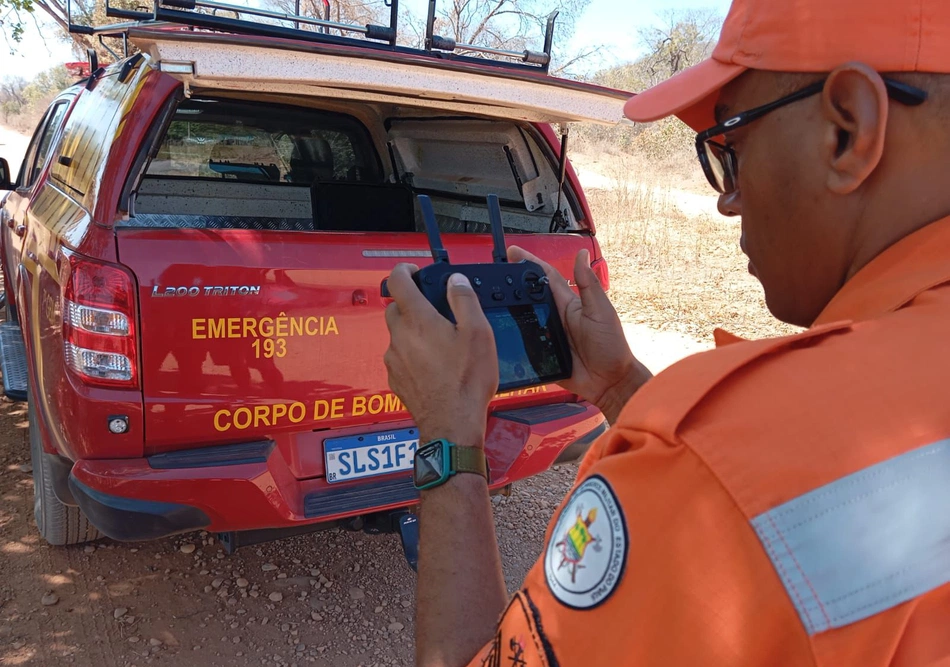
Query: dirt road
x=331 y=598
x=13 y=147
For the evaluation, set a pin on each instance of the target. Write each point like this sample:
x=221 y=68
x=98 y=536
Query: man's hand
x=445 y=374
x=605 y=371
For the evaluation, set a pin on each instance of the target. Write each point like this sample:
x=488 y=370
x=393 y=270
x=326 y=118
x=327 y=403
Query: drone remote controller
x=516 y=298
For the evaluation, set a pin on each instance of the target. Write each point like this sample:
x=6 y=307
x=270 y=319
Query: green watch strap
x=469 y=459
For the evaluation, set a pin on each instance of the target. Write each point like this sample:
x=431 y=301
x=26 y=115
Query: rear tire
x=57 y=523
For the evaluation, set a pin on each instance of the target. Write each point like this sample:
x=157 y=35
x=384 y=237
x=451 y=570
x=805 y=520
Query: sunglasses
x=719 y=161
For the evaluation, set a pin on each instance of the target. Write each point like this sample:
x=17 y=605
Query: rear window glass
x=220 y=139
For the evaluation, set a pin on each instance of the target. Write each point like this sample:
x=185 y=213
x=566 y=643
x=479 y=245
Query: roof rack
x=203 y=14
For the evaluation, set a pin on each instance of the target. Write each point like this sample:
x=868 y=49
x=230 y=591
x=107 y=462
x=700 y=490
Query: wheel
x=58 y=524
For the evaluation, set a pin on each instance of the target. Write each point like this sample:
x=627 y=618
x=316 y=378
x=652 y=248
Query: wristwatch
x=438 y=460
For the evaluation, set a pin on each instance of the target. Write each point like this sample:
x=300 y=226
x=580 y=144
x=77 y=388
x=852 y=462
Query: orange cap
x=803 y=36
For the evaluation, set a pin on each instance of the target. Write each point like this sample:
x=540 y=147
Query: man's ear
x=854 y=106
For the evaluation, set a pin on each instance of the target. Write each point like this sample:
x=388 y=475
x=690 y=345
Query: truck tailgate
x=248 y=333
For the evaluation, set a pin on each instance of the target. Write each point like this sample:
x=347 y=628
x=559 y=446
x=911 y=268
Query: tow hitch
x=402 y=522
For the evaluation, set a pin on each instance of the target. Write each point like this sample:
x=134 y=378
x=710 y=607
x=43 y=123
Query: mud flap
x=409 y=533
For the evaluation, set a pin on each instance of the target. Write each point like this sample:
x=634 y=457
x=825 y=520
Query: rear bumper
x=251 y=486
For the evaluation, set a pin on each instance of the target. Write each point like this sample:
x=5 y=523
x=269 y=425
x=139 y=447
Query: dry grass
x=674 y=262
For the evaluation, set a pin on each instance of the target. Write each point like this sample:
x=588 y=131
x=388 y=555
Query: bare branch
x=488 y=17
x=583 y=55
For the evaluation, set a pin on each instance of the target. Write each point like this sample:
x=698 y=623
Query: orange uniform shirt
x=775 y=502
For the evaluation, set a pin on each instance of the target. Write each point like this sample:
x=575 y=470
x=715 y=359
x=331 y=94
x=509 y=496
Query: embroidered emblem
x=585 y=558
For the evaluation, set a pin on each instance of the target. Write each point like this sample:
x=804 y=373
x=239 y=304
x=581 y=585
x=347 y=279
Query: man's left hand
x=445 y=374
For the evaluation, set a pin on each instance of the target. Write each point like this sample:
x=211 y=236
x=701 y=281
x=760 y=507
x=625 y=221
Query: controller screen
x=526 y=347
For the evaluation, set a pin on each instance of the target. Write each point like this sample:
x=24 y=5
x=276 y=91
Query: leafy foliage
x=681 y=40
x=22 y=102
x=15 y=13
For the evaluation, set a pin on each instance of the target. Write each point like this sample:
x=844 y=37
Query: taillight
x=599 y=267
x=99 y=323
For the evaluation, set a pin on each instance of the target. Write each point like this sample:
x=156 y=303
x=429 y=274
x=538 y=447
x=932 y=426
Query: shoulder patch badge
x=585 y=557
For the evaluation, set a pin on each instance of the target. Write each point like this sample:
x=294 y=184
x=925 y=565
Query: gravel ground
x=330 y=598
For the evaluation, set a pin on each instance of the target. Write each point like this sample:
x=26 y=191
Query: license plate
x=370 y=454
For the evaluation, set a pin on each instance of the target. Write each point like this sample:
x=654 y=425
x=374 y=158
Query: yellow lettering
x=313 y=332
x=296 y=326
x=198 y=328
x=359 y=406
x=216 y=328
x=331 y=326
x=393 y=404
x=281 y=326
x=260 y=414
x=234 y=327
x=280 y=409
x=379 y=404
x=336 y=408
x=269 y=323
x=237 y=416
x=321 y=409
x=281 y=348
x=217 y=420
x=296 y=418
x=250 y=327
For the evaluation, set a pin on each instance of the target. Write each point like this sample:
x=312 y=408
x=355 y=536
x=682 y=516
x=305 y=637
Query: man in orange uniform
x=776 y=502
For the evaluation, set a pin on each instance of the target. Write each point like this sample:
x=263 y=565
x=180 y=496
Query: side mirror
x=6 y=181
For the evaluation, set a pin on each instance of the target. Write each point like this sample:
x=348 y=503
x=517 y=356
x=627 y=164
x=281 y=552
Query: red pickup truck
x=199 y=342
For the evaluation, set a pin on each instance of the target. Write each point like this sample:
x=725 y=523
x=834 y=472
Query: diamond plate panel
x=13 y=361
x=171 y=221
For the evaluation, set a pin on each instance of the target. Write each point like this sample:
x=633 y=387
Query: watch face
x=429 y=464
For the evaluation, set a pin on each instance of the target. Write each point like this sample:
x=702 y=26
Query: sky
x=613 y=23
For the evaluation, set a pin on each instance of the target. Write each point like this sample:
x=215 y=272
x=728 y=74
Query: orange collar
x=913 y=265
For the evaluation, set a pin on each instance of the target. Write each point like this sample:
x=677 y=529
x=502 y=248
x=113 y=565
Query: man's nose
x=730 y=204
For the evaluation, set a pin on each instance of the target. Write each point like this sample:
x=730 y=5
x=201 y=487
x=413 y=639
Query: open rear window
x=240 y=141
x=232 y=164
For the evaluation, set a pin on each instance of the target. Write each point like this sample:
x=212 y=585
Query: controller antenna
x=499 y=252
x=439 y=254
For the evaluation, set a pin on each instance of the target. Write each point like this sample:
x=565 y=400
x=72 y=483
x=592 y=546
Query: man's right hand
x=605 y=371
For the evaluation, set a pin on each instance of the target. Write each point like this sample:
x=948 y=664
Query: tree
x=510 y=25
x=22 y=102
x=15 y=13
x=680 y=40
x=358 y=12
x=683 y=40
x=11 y=90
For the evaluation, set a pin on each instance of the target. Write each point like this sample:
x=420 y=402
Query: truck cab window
x=42 y=145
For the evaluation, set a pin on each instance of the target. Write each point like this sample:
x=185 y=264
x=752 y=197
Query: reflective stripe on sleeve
x=866 y=542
